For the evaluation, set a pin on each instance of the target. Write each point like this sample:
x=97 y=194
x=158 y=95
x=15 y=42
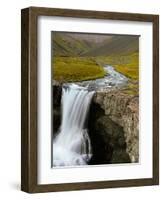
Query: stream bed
x=112 y=80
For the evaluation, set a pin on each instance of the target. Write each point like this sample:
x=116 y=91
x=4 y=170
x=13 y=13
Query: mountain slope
x=118 y=45
x=69 y=44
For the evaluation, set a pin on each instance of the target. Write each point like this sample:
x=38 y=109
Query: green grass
x=71 y=69
x=130 y=69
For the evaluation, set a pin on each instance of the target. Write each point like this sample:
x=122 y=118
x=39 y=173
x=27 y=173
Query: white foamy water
x=72 y=145
x=111 y=80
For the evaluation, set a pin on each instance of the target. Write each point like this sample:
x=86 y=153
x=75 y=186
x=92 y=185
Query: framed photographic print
x=90 y=99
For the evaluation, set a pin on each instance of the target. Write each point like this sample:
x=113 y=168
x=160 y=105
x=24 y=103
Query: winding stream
x=112 y=79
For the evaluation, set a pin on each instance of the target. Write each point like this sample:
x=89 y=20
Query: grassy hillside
x=71 y=69
x=117 y=45
x=67 y=45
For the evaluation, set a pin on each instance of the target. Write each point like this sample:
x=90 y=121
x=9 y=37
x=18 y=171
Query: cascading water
x=72 y=144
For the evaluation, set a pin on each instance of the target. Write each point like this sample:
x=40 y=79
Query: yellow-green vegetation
x=132 y=88
x=71 y=69
x=125 y=64
x=130 y=69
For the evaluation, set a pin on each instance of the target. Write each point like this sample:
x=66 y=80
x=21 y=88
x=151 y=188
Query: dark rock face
x=56 y=119
x=107 y=138
x=57 y=92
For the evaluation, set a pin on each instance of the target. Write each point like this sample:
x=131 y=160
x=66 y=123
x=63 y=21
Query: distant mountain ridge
x=66 y=44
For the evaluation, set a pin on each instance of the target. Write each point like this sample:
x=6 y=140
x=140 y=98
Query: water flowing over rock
x=72 y=144
x=113 y=122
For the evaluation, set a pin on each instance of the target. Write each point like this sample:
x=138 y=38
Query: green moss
x=69 y=69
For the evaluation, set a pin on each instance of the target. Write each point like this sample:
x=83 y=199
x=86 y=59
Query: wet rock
x=56 y=119
x=57 y=93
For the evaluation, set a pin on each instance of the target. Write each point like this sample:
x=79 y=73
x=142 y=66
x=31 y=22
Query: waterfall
x=72 y=144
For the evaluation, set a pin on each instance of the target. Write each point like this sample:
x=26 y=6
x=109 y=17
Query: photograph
x=95 y=99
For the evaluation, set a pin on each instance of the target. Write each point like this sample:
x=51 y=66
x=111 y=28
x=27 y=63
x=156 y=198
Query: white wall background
x=10 y=98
